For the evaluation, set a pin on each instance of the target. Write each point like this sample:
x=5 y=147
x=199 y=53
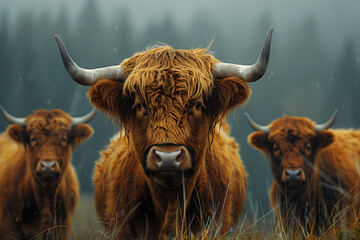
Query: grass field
x=86 y=226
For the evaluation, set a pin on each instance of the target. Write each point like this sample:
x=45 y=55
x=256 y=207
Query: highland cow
x=38 y=185
x=316 y=171
x=174 y=165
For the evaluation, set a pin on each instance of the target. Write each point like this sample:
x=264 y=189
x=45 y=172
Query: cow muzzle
x=48 y=171
x=168 y=163
x=293 y=176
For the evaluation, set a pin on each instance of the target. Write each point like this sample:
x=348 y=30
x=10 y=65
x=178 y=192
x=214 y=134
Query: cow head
x=169 y=102
x=291 y=144
x=49 y=138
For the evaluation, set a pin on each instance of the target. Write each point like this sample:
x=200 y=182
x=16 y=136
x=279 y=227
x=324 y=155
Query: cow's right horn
x=10 y=118
x=249 y=73
x=328 y=124
x=84 y=119
x=255 y=126
x=87 y=77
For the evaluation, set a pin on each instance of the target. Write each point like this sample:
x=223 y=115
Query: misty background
x=314 y=62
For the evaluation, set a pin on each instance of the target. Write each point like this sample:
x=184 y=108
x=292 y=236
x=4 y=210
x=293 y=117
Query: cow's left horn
x=328 y=124
x=249 y=73
x=255 y=126
x=10 y=118
x=84 y=119
x=87 y=77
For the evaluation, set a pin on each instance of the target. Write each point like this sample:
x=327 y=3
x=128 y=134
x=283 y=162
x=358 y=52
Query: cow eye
x=138 y=107
x=64 y=139
x=276 y=149
x=32 y=140
x=198 y=106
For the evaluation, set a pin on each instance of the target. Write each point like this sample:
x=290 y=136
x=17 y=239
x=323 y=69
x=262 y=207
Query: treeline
x=304 y=78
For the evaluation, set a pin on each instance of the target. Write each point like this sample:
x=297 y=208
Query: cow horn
x=84 y=119
x=10 y=118
x=249 y=73
x=87 y=77
x=256 y=126
x=328 y=124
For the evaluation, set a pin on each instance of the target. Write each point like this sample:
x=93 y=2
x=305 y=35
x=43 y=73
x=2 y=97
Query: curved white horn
x=87 y=77
x=249 y=73
x=255 y=126
x=328 y=124
x=84 y=119
x=10 y=118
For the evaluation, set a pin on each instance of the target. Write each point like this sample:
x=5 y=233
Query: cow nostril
x=298 y=173
x=180 y=158
x=53 y=165
x=42 y=165
x=157 y=157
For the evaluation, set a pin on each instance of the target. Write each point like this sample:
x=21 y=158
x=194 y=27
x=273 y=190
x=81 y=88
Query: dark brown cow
x=174 y=155
x=38 y=185
x=316 y=171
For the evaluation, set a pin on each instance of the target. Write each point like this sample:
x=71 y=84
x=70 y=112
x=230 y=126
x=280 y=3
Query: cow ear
x=108 y=96
x=227 y=94
x=17 y=132
x=259 y=140
x=80 y=133
x=324 y=138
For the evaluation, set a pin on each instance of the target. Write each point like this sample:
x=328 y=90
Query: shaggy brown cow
x=316 y=171
x=38 y=185
x=175 y=155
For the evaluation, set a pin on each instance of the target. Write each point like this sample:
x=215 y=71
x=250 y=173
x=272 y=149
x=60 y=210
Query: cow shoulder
x=341 y=159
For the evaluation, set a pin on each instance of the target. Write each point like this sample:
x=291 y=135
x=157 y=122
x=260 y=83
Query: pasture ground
x=86 y=226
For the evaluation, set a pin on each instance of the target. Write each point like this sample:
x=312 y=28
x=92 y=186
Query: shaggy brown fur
x=30 y=205
x=169 y=100
x=329 y=165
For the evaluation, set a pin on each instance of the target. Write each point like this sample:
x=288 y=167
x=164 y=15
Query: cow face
x=169 y=102
x=49 y=138
x=169 y=108
x=291 y=144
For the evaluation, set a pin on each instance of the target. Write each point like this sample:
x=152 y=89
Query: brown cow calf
x=174 y=166
x=38 y=185
x=316 y=171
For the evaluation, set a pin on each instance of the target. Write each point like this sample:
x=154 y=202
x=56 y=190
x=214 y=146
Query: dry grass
x=86 y=226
